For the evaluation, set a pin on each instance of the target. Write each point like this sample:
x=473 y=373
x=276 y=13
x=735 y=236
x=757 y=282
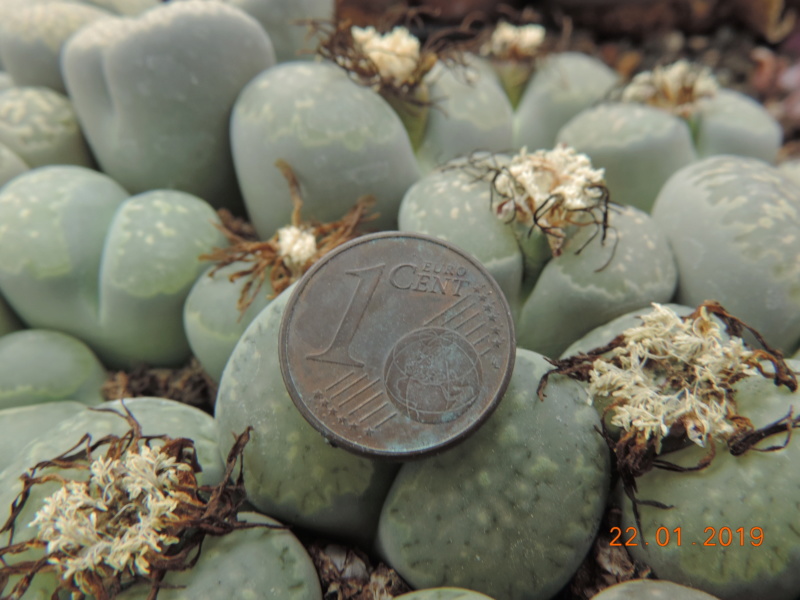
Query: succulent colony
x=169 y=170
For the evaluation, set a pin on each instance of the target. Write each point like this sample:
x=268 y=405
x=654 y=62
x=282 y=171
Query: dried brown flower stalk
x=273 y=258
x=138 y=514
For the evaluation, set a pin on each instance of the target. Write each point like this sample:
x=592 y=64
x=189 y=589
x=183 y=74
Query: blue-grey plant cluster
x=169 y=169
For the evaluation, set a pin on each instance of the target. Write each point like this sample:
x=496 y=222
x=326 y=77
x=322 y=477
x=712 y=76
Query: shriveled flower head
x=129 y=515
x=118 y=520
x=674 y=373
x=676 y=88
x=395 y=54
x=514 y=42
x=291 y=251
x=549 y=190
x=393 y=64
x=296 y=246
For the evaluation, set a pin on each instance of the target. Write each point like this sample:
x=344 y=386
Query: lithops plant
x=665 y=119
x=732 y=223
x=39 y=366
x=40 y=126
x=511 y=50
x=448 y=104
x=141 y=464
x=31 y=38
x=671 y=377
x=649 y=589
x=738 y=540
x=341 y=140
x=155 y=103
x=542 y=224
x=393 y=64
x=680 y=390
x=563 y=85
x=722 y=121
x=290 y=471
x=79 y=256
x=533 y=479
x=249 y=273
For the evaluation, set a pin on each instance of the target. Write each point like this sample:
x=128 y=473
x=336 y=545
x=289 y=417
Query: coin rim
x=337 y=440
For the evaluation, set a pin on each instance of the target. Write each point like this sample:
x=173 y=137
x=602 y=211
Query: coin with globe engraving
x=396 y=345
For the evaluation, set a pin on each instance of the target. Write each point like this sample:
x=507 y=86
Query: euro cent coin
x=396 y=345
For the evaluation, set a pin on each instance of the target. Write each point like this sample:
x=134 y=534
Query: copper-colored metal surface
x=396 y=345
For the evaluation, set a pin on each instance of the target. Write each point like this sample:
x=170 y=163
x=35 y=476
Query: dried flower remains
x=677 y=88
x=392 y=63
x=549 y=191
x=132 y=514
x=287 y=255
x=514 y=42
x=395 y=54
x=389 y=58
x=672 y=381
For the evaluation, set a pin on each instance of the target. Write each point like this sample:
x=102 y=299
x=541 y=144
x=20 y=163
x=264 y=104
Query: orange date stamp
x=714 y=536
